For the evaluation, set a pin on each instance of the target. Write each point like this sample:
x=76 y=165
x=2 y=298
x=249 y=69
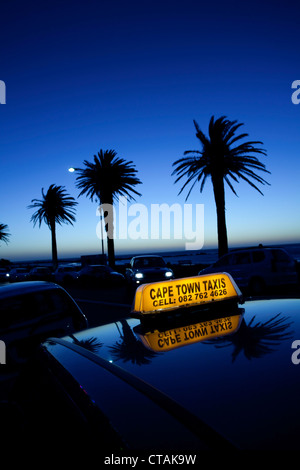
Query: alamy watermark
x=159 y=222
x=296 y=94
x=296 y=354
x=2 y=92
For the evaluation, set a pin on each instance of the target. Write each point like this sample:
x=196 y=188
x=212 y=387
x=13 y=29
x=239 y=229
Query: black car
x=32 y=311
x=99 y=275
x=194 y=368
x=147 y=268
x=18 y=274
x=4 y=275
x=256 y=270
x=40 y=273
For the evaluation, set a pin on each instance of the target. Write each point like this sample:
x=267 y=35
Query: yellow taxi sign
x=161 y=341
x=191 y=291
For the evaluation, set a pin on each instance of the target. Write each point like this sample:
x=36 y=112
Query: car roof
x=20 y=288
x=41 y=267
x=147 y=256
x=228 y=381
x=96 y=266
x=256 y=248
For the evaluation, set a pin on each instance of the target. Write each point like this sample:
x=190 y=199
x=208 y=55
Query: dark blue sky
x=132 y=76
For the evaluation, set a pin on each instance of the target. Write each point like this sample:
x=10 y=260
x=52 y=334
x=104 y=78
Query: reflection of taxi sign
x=191 y=291
x=191 y=333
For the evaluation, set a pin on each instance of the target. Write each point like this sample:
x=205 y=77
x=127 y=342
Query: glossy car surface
x=150 y=268
x=32 y=311
x=225 y=376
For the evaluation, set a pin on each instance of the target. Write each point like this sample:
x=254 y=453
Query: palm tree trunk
x=54 y=245
x=219 y=193
x=111 y=252
x=109 y=227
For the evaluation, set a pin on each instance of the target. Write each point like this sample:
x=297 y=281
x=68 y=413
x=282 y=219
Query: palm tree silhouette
x=256 y=340
x=91 y=344
x=221 y=161
x=56 y=207
x=130 y=348
x=106 y=179
x=4 y=233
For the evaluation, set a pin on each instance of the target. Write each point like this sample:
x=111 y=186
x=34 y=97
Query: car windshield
x=149 y=262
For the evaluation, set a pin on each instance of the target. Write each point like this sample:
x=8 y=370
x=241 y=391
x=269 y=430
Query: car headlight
x=168 y=274
x=139 y=275
x=7 y=274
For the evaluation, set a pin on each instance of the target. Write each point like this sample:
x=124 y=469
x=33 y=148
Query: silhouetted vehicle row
x=37 y=273
x=66 y=274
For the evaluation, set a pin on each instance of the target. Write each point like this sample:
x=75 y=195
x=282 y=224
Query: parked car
x=40 y=273
x=32 y=311
x=206 y=371
x=18 y=274
x=100 y=275
x=4 y=274
x=67 y=273
x=150 y=268
x=256 y=269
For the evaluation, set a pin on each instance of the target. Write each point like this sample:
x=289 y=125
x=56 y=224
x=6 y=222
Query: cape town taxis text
x=171 y=294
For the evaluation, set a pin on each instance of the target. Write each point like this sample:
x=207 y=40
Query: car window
x=14 y=310
x=138 y=263
x=224 y=261
x=148 y=262
x=242 y=258
x=280 y=255
x=22 y=308
x=258 y=256
x=56 y=302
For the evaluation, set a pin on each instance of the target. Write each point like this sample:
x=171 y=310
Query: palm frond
x=107 y=178
x=56 y=206
x=4 y=233
x=218 y=155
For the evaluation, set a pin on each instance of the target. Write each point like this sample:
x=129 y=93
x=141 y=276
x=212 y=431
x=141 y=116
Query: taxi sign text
x=193 y=333
x=184 y=292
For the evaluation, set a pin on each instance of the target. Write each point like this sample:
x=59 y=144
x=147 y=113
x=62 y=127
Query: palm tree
x=222 y=161
x=56 y=207
x=130 y=349
x=4 y=233
x=106 y=179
